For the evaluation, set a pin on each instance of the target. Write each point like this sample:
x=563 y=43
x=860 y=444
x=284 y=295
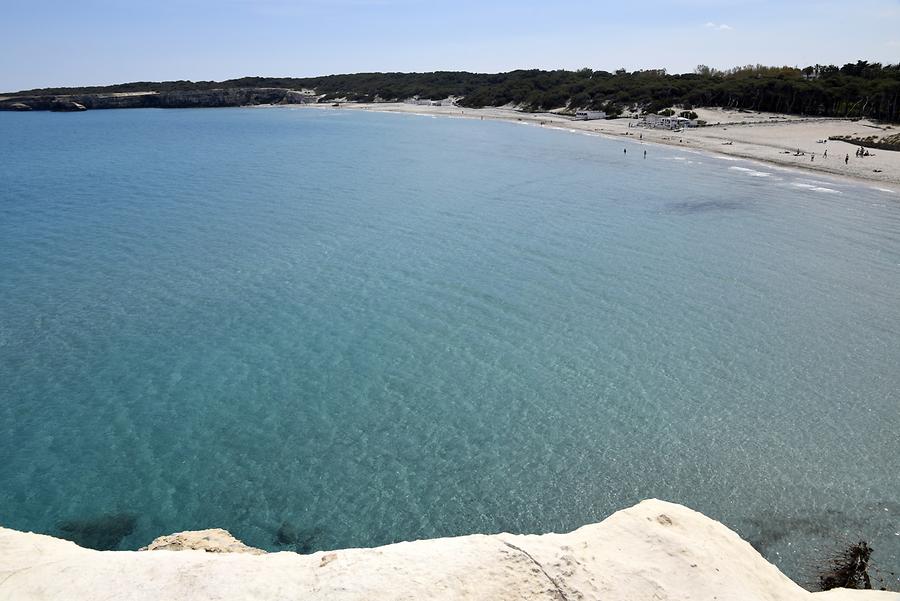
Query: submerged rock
x=287 y=534
x=103 y=533
x=213 y=540
x=297 y=539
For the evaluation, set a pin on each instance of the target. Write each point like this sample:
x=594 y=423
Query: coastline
x=653 y=550
x=771 y=139
x=537 y=142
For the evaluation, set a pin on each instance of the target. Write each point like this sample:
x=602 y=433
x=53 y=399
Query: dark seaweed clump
x=103 y=533
x=848 y=569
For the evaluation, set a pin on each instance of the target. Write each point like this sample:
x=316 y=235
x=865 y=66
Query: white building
x=589 y=115
x=424 y=102
x=672 y=122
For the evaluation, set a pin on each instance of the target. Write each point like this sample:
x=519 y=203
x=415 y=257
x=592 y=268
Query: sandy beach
x=768 y=137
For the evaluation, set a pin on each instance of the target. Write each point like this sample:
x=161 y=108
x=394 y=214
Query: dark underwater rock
x=297 y=539
x=287 y=534
x=102 y=533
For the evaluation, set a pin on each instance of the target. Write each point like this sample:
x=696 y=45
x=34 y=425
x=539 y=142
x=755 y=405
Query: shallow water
x=379 y=327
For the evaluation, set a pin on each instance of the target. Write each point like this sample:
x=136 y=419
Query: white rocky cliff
x=652 y=551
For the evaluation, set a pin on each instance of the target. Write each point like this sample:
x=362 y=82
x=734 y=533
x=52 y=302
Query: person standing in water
x=645 y=154
x=624 y=151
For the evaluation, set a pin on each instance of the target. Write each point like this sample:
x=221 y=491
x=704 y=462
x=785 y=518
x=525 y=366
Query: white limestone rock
x=213 y=540
x=654 y=551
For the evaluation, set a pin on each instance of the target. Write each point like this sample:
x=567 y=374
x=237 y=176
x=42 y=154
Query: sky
x=95 y=42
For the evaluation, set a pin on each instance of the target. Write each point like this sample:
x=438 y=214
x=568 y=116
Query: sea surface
x=324 y=328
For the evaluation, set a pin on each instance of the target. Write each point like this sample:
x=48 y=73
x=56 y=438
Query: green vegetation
x=855 y=90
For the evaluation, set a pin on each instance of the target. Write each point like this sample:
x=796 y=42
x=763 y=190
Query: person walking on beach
x=825 y=156
x=847 y=158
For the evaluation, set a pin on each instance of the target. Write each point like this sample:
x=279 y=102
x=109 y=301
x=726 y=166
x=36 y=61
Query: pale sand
x=654 y=551
x=758 y=136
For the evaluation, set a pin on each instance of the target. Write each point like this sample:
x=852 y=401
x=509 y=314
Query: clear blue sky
x=81 y=42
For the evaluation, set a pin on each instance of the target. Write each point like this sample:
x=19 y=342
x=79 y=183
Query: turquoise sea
x=323 y=328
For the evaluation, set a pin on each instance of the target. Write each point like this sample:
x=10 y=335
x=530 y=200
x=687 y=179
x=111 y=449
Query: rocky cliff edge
x=652 y=551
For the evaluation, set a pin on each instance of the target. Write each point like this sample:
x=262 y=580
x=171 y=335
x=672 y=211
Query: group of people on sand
x=860 y=152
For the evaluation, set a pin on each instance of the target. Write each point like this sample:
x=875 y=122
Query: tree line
x=855 y=90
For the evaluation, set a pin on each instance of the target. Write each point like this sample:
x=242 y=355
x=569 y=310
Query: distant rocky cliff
x=172 y=99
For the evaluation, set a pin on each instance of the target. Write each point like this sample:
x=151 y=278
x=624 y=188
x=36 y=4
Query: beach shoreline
x=770 y=139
